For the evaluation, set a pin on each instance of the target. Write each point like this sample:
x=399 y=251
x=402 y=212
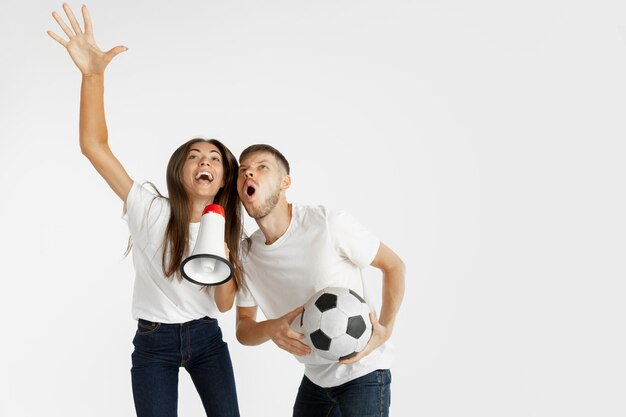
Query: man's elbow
x=244 y=333
x=395 y=267
x=240 y=334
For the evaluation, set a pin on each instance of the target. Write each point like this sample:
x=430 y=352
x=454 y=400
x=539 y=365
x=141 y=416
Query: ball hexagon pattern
x=336 y=323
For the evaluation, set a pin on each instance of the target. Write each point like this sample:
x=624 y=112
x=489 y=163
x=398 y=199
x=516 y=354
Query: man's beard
x=265 y=208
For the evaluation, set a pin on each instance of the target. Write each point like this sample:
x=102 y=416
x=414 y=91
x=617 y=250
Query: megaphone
x=207 y=264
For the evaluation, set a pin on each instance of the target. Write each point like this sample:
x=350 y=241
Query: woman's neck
x=196 y=209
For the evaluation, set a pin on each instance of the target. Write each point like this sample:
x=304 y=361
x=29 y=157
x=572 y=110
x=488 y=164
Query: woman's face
x=203 y=172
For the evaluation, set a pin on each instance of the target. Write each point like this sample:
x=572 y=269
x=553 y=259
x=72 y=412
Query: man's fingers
x=379 y=335
x=350 y=360
x=297 y=348
x=293 y=314
x=356 y=357
x=295 y=335
x=294 y=346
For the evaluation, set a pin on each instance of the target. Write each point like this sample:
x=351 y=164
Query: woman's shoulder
x=144 y=193
x=146 y=203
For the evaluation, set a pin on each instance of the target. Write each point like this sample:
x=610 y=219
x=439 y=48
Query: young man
x=297 y=251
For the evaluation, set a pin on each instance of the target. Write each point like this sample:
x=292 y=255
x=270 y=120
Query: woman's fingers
x=72 y=19
x=61 y=23
x=57 y=38
x=87 y=20
x=114 y=51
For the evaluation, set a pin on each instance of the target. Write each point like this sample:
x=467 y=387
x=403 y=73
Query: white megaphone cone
x=207 y=264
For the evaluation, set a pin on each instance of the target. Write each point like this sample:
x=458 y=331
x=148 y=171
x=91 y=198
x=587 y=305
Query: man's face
x=259 y=183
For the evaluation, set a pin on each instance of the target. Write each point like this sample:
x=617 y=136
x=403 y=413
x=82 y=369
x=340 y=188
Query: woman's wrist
x=95 y=76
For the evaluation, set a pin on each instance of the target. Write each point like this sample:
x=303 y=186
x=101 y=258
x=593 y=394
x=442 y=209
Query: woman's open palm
x=81 y=44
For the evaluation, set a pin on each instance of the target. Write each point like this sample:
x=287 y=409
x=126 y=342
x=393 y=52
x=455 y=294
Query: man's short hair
x=262 y=147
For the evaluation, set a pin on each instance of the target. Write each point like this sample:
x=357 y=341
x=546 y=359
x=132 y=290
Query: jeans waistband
x=154 y=323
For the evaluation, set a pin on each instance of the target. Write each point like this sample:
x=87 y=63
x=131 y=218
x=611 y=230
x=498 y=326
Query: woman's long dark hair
x=177 y=232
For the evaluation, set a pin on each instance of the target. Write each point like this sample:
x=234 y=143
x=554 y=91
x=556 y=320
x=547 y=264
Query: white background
x=481 y=140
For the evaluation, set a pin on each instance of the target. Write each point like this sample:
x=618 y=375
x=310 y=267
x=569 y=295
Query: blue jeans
x=367 y=396
x=161 y=349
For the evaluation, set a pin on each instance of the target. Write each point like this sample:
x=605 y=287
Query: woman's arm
x=92 y=62
x=225 y=295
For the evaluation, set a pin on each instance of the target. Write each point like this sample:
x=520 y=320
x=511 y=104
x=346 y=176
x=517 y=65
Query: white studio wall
x=483 y=141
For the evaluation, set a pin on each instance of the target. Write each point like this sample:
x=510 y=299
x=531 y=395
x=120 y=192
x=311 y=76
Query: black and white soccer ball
x=336 y=323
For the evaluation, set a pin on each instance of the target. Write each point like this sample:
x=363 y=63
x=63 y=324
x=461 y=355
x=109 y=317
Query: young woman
x=176 y=318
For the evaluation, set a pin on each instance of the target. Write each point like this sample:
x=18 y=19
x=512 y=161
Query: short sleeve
x=351 y=239
x=144 y=211
x=244 y=297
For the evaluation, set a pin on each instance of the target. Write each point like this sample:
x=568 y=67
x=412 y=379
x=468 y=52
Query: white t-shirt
x=155 y=297
x=321 y=248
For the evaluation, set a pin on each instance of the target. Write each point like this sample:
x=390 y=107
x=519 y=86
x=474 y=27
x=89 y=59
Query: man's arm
x=251 y=333
x=392 y=268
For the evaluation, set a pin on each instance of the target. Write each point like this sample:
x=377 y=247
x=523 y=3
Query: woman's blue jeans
x=161 y=349
x=367 y=396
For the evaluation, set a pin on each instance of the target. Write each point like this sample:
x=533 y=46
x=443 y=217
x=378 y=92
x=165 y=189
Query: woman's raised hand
x=81 y=45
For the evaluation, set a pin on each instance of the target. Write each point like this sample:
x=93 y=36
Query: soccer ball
x=336 y=323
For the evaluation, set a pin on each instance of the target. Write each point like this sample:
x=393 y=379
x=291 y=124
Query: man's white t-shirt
x=155 y=297
x=321 y=248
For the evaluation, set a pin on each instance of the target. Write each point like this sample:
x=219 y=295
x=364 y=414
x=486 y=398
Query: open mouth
x=204 y=176
x=250 y=190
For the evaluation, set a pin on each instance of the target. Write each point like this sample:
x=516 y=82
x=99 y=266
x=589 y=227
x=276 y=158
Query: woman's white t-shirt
x=321 y=248
x=155 y=297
